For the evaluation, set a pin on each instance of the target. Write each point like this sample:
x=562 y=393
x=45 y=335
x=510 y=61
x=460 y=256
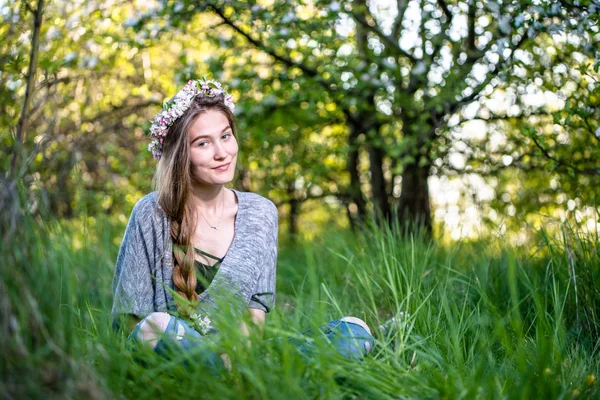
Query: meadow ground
x=481 y=320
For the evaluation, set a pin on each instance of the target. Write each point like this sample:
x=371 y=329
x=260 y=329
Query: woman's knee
x=354 y=337
x=155 y=326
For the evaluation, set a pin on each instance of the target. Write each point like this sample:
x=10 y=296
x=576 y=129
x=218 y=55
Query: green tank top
x=206 y=273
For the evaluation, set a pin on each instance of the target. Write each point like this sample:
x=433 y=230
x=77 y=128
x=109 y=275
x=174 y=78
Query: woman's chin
x=216 y=181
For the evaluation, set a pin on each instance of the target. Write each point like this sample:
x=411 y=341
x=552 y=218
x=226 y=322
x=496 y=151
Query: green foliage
x=483 y=320
x=334 y=99
x=98 y=85
x=351 y=67
x=542 y=159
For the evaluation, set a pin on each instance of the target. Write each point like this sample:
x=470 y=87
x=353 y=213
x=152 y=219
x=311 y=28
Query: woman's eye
x=202 y=144
x=226 y=136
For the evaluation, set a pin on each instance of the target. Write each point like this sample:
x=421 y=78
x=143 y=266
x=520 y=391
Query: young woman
x=194 y=237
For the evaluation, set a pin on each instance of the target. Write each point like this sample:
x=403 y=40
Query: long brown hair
x=173 y=181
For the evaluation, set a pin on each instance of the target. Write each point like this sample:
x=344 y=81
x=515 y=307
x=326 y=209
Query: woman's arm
x=133 y=293
x=263 y=298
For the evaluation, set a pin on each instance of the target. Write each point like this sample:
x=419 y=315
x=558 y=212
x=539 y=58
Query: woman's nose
x=220 y=152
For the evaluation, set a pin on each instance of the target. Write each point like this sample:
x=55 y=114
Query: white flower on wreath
x=201 y=323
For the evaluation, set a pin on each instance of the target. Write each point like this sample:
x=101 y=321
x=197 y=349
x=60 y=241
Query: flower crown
x=178 y=105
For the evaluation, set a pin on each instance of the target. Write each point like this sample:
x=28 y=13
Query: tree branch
x=256 y=43
x=361 y=38
x=308 y=196
x=388 y=40
x=402 y=5
x=471 y=26
x=491 y=164
x=445 y=10
x=28 y=7
x=127 y=108
x=283 y=59
x=422 y=32
x=590 y=129
x=559 y=163
x=495 y=117
x=31 y=74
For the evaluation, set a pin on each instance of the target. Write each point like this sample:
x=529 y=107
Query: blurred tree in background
x=82 y=123
x=354 y=102
x=96 y=88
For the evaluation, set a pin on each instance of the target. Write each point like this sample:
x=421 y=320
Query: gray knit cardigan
x=144 y=268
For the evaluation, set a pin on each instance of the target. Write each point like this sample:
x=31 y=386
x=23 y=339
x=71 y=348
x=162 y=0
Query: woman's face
x=213 y=149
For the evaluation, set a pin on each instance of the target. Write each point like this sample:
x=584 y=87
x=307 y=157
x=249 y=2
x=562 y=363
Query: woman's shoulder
x=148 y=202
x=147 y=208
x=256 y=204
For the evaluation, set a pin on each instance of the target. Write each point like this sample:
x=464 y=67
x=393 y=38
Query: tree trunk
x=355 y=192
x=350 y=216
x=414 y=209
x=10 y=204
x=61 y=199
x=294 y=211
x=293 y=218
x=378 y=186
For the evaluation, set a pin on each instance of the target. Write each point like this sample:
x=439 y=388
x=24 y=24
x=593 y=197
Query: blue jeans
x=349 y=339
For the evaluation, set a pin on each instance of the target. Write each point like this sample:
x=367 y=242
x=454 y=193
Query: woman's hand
x=257 y=318
x=226 y=361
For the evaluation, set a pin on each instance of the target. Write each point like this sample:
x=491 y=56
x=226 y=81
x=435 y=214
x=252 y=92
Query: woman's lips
x=223 y=167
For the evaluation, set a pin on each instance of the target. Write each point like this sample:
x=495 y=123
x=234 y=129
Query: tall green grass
x=481 y=320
